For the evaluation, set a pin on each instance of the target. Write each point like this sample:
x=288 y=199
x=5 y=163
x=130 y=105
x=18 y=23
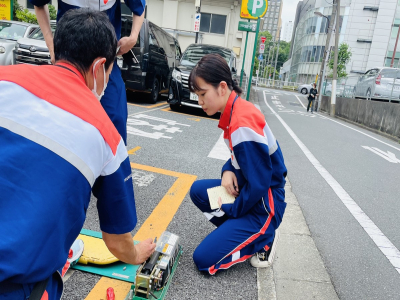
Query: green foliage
x=53 y=12
x=344 y=57
x=24 y=15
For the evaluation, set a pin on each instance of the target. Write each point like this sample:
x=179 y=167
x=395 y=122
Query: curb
x=298 y=271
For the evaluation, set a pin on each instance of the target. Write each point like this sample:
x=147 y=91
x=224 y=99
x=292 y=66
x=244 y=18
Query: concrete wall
x=380 y=116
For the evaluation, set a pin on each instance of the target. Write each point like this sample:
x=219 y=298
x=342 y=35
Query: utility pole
x=267 y=62
x=326 y=52
x=334 y=79
x=277 y=53
x=272 y=57
x=198 y=11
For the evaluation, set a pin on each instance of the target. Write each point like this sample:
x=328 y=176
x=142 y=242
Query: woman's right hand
x=229 y=182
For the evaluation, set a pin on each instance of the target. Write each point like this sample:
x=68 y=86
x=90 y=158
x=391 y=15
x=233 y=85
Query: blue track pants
x=234 y=240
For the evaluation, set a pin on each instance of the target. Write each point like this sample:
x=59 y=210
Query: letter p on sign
x=257 y=4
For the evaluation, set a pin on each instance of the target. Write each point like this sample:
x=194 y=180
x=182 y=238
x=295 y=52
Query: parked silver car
x=10 y=32
x=378 y=83
x=33 y=49
x=305 y=88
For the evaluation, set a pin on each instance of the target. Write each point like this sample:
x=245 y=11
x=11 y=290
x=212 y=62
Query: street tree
x=344 y=57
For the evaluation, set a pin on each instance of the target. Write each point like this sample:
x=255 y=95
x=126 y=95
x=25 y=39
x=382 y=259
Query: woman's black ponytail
x=213 y=69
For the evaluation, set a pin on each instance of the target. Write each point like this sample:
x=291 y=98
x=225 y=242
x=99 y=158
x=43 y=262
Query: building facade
x=218 y=25
x=272 y=21
x=369 y=27
x=287 y=31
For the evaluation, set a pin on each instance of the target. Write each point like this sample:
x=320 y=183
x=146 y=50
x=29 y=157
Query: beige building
x=218 y=26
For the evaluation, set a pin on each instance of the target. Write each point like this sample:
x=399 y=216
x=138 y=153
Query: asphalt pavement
x=340 y=232
x=345 y=179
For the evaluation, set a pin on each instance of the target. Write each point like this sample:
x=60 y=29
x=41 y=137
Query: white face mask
x=94 y=90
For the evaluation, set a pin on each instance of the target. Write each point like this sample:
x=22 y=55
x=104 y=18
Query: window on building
x=212 y=23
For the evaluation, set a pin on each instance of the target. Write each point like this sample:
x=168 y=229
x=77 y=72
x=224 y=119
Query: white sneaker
x=265 y=259
x=74 y=254
x=75 y=251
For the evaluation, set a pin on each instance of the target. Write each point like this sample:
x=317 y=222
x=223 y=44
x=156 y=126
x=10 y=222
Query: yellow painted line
x=175 y=112
x=147 y=106
x=132 y=151
x=154 y=225
x=164 y=212
x=99 y=292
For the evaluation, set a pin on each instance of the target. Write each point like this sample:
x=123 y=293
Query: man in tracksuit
x=114 y=100
x=57 y=146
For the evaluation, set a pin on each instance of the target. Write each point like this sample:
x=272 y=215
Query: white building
x=219 y=24
x=287 y=31
x=369 y=27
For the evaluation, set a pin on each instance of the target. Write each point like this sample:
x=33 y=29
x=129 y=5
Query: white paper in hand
x=216 y=192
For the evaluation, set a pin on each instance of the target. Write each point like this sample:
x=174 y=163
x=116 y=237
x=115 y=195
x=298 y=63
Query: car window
x=195 y=52
x=152 y=36
x=178 y=51
x=11 y=31
x=37 y=34
x=373 y=72
x=390 y=73
x=126 y=28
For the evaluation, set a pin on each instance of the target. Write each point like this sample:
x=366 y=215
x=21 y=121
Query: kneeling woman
x=255 y=175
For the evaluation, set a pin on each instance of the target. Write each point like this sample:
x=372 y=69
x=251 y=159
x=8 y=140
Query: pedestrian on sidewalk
x=311 y=97
x=57 y=147
x=255 y=175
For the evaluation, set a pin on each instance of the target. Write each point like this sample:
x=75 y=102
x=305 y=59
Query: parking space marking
x=175 y=112
x=164 y=212
x=99 y=291
x=132 y=151
x=154 y=225
x=141 y=112
x=147 y=106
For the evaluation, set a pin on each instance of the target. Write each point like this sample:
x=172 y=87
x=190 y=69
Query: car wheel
x=174 y=107
x=304 y=91
x=368 y=94
x=155 y=91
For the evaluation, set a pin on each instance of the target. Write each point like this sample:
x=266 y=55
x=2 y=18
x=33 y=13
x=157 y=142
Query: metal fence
x=279 y=84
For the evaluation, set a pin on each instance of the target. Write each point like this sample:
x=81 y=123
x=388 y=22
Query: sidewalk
x=298 y=271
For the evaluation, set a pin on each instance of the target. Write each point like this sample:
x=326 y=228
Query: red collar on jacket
x=226 y=114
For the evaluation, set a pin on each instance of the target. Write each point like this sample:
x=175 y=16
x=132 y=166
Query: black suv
x=179 y=93
x=148 y=66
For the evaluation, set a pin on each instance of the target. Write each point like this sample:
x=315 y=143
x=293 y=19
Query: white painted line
x=366 y=134
x=300 y=101
x=158 y=108
x=220 y=150
x=389 y=156
x=383 y=243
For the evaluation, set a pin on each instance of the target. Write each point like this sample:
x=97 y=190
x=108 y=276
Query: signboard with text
x=196 y=22
x=262 y=47
x=5 y=9
x=263 y=39
x=247 y=26
x=253 y=9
